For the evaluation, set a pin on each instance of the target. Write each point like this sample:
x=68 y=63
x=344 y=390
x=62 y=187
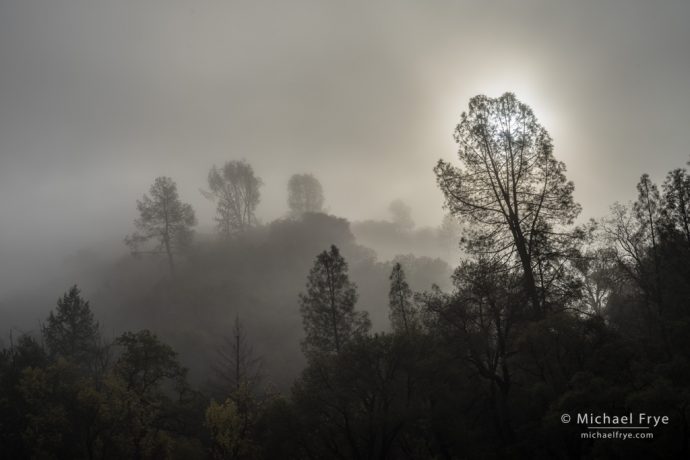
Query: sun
x=493 y=79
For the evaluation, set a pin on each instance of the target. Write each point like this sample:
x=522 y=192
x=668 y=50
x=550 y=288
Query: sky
x=98 y=98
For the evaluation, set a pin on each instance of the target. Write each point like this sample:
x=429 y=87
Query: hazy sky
x=97 y=98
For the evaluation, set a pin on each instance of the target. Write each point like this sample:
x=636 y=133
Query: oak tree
x=235 y=189
x=305 y=194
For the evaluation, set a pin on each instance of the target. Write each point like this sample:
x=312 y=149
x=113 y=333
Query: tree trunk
x=528 y=273
x=171 y=260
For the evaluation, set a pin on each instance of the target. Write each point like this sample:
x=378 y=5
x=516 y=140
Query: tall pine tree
x=71 y=331
x=403 y=314
x=328 y=314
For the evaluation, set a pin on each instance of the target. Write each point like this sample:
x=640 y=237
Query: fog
x=99 y=98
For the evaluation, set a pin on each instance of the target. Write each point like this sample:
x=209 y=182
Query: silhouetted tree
x=648 y=303
x=366 y=402
x=626 y=237
x=598 y=274
x=677 y=201
x=233 y=423
x=236 y=364
x=235 y=188
x=305 y=194
x=71 y=330
x=648 y=212
x=15 y=418
x=328 y=315
x=145 y=362
x=403 y=314
x=164 y=219
x=510 y=188
x=479 y=319
x=147 y=388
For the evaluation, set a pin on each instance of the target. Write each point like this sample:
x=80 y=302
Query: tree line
x=167 y=222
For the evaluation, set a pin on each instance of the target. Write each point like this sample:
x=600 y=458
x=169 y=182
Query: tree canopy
x=328 y=306
x=235 y=188
x=71 y=330
x=403 y=314
x=510 y=188
x=305 y=194
x=164 y=219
